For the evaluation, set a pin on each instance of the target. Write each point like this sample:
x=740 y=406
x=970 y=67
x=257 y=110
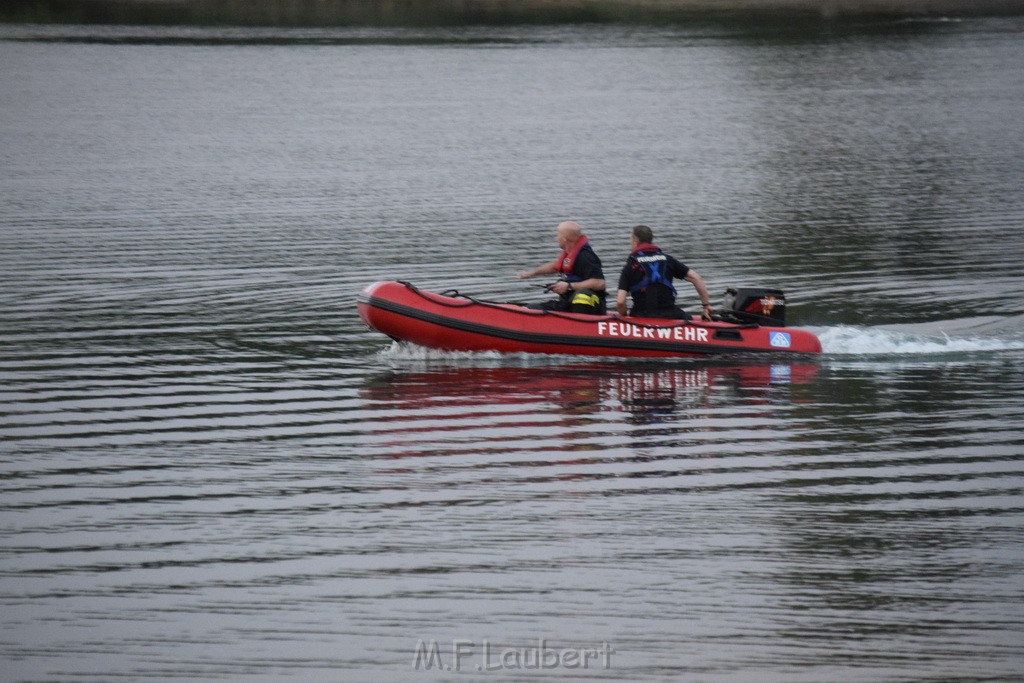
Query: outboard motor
x=754 y=305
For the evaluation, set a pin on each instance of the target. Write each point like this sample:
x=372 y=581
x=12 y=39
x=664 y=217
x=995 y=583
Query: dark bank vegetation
x=465 y=12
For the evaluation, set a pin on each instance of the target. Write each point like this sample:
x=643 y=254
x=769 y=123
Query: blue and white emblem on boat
x=779 y=339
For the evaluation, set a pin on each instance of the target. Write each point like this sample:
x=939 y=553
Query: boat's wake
x=401 y=352
x=842 y=341
x=887 y=341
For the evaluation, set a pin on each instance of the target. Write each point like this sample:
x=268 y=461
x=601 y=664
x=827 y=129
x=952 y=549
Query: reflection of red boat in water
x=455 y=322
x=561 y=415
x=576 y=386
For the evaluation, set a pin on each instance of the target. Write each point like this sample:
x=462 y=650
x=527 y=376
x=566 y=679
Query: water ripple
x=212 y=469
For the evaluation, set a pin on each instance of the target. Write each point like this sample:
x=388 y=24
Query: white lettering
x=680 y=333
x=427 y=657
x=545 y=661
x=460 y=649
x=541 y=656
x=488 y=664
x=531 y=662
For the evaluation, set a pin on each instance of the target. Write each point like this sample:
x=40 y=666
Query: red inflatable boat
x=455 y=322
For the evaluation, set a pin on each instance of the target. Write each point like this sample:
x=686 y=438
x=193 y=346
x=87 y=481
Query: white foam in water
x=415 y=353
x=843 y=340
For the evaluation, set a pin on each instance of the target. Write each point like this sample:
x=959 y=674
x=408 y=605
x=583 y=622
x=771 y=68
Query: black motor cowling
x=754 y=305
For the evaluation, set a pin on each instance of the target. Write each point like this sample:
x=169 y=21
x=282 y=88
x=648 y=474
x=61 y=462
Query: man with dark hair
x=581 y=288
x=647 y=276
